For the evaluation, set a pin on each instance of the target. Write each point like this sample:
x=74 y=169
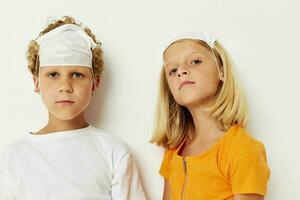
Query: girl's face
x=191 y=72
x=66 y=91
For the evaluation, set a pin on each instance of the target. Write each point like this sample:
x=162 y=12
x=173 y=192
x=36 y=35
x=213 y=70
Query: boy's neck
x=55 y=124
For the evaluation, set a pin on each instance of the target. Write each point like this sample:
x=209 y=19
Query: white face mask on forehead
x=209 y=38
x=67 y=45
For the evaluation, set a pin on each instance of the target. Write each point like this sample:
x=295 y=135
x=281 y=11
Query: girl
x=200 y=120
x=67 y=158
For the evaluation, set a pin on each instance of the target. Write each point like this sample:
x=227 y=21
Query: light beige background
x=262 y=37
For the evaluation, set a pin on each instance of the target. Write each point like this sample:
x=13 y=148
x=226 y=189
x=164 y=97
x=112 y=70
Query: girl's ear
x=221 y=72
x=220 y=67
x=36 y=84
x=96 y=84
x=221 y=76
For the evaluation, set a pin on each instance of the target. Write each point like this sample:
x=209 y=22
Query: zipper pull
x=184 y=165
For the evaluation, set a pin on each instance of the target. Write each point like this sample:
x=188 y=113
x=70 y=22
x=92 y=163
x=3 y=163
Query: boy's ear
x=36 y=84
x=96 y=84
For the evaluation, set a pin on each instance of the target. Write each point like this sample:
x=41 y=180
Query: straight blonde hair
x=173 y=122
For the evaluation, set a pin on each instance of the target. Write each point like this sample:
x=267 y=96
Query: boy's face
x=66 y=91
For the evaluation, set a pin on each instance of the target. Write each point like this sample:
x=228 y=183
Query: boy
x=68 y=158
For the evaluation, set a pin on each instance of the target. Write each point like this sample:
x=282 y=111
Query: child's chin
x=66 y=116
x=194 y=102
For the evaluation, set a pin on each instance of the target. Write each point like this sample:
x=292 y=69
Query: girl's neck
x=55 y=124
x=206 y=128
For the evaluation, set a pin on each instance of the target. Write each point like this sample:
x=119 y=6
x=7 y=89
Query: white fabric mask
x=67 y=45
x=200 y=35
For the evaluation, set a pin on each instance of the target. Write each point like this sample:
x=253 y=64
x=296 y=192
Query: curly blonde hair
x=33 y=48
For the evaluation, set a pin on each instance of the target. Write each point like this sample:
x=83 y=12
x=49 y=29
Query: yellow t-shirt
x=236 y=164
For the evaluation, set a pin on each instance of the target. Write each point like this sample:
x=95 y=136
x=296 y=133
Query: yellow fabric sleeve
x=249 y=170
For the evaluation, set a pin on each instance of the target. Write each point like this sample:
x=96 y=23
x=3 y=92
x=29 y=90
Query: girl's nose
x=181 y=71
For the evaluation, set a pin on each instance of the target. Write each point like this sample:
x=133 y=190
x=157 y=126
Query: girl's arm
x=248 y=197
x=166 y=195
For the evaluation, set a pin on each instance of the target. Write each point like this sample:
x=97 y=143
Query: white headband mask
x=67 y=45
x=201 y=35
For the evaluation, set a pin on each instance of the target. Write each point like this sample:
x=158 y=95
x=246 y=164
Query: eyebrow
x=167 y=65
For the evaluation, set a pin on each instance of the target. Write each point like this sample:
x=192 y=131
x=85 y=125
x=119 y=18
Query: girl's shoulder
x=244 y=162
x=239 y=142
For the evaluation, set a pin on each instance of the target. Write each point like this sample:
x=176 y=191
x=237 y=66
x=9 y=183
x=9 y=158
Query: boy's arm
x=126 y=184
x=6 y=180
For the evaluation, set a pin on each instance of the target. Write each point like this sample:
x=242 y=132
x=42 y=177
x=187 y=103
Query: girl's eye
x=52 y=74
x=77 y=75
x=194 y=62
x=173 y=71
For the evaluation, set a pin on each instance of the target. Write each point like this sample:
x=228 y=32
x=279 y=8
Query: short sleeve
x=249 y=170
x=126 y=182
x=7 y=183
x=166 y=163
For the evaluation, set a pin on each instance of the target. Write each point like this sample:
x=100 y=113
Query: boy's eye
x=194 y=62
x=52 y=74
x=77 y=75
x=173 y=71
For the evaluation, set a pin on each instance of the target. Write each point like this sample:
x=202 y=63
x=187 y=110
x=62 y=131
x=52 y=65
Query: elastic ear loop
x=37 y=67
x=94 y=80
x=92 y=70
x=218 y=67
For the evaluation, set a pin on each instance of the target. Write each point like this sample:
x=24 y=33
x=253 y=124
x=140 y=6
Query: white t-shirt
x=81 y=164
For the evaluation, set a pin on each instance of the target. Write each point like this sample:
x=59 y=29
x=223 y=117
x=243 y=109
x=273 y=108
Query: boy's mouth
x=65 y=102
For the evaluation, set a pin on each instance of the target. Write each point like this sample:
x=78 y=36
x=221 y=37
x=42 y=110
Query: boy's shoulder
x=97 y=137
x=107 y=140
x=8 y=153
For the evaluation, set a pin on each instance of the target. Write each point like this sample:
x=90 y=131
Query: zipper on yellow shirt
x=185 y=177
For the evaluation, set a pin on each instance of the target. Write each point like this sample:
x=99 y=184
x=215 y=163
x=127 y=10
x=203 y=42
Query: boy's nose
x=65 y=90
x=65 y=86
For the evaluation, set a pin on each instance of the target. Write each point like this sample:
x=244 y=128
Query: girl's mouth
x=186 y=83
